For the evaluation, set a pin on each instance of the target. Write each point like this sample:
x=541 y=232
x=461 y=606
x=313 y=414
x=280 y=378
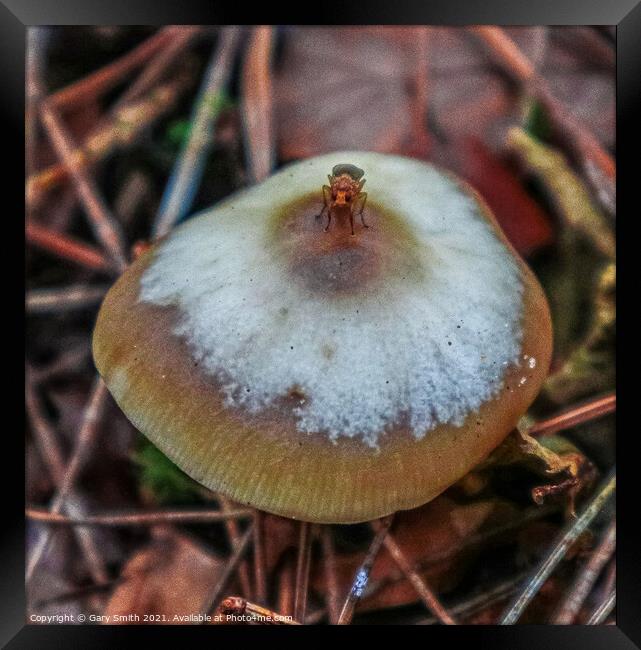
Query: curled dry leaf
x=553 y=456
x=171 y=577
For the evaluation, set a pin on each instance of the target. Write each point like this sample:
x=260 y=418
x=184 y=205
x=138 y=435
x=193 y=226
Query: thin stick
x=362 y=574
x=599 y=615
x=259 y=557
x=104 y=79
x=232 y=563
x=182 y=37
x=104 y=225
x=302 y=571
x=419 y=105
x=37 y=40
x=257 y=103
x=597 y=163
x=331 y=580
x=53 y=458
x=233 y=606
x=186 y=175
x=87 y=541
x=65 y=481
x=424 y=591
x=469 y=606
x=286 y=579
x=150 y=518
x=68 y=361
x=610 y=579
x=44 y=434
x=577 y=415
x=233 y=534
x=122 y=128
x=558 y=551
x=45 y=301
x=571 y=604
x=67 y=248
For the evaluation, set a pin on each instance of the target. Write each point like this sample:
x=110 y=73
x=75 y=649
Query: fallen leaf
x=346 y=88
x=433 y=538
x=171 y=578
x=522 y=219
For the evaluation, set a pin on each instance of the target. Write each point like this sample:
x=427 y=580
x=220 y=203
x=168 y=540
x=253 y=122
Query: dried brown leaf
x=433 y=539
x=172 y=577
x=345 y=88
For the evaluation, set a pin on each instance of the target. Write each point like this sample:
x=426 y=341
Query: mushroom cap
x=324 y=376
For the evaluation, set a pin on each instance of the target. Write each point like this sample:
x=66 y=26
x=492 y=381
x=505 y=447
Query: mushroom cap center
x=334 y=262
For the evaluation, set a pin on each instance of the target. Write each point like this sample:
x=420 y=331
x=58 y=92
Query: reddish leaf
x=523 y=221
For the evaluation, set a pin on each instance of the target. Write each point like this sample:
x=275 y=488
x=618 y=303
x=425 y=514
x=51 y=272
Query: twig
x=570 y=195
x=558 y=551
x=234 y=606
x=104 y=79
x=53 y=458
x=599 y=615
x=286 y=579
x=151 y=518
x=44 y=435
x=232 y=563
x=180 y=40
x=259 y=557
x=67 y=248
x=426 y=594
x=419 y=105
x=574 y=416
x=475 y=540
x=37 y=39
x=104 y=225
x=610 y=579
x=45 y=301
x=67 y=361
x=569 y=607
x=362 y=574
x=66 y=478
x=469 y=606
x=187 y=173
x=598 y=164
x=135 y=191
x=302 y=571
x=331 y=581
x=233 y=533
x=126 y=123
x=257 y=103
x=86 y=540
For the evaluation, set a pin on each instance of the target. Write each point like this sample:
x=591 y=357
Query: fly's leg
x=321 y=213
x=327 y=202
x=351 y=220
x=329 y=220
x=360 y=203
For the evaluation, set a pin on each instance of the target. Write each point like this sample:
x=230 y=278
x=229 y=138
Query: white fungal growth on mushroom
x=426 y=347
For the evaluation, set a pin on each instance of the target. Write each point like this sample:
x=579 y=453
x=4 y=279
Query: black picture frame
x=16 y=15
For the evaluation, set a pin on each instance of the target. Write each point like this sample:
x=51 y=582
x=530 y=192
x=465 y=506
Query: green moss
x=160 y=477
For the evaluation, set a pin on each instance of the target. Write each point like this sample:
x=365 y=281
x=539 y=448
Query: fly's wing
x=350 y=170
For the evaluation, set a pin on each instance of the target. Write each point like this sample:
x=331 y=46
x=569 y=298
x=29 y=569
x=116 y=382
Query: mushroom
x=321 y=375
